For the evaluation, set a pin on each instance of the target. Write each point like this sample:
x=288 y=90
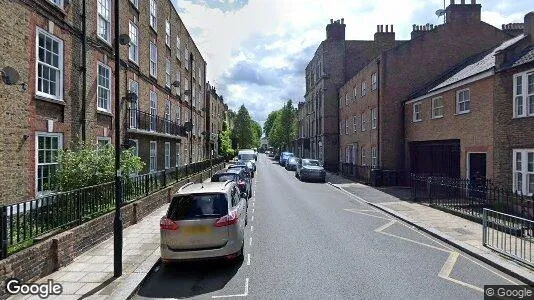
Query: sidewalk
x=461 y=233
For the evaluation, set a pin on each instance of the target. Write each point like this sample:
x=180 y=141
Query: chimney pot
x=377 y=28
x=342 y=20
x=387 y=28
x=381 y=28
x=473 y=1
x=331 y=21
x=413 y=27
x=392 y=28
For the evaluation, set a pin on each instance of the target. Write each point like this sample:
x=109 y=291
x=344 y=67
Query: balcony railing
x=153 y=123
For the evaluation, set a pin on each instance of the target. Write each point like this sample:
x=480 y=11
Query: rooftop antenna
x=441 y=12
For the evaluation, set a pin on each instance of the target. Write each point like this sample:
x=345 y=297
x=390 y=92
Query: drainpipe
x=84 y=70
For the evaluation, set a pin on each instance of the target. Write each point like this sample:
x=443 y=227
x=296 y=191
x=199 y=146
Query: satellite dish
x=11 y=76
x=124 y=39
x=440 y=12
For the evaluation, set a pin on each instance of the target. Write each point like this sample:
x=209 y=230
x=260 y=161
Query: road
x=311 y=241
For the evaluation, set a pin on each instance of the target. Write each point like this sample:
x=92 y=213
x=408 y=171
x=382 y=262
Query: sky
x=257 y=50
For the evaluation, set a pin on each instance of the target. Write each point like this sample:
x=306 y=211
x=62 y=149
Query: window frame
x=60 y=4
x=38 y=134
x=374 y=81
x=416 y=110
x=167 y=155
x=60 y=68
x=109 y=20
x=177 y=155
x=178 y=46
x=362 y=121
x=99 y=139
x=135 y=3
x=153 y=168
x=153 y=110
x=355 y=123
x=153 y=15
x=363 y=89
x=134 y=46
x=374 y=157
x=374 y=117
x=108 y=68
x=434 y=108
x=167 y=33
x=134 y=107
x=526 y=106
x=524 y=171
x=346 y=126
x=153 y=60
x=168 y=77
x=458 y=102
x=362 y=156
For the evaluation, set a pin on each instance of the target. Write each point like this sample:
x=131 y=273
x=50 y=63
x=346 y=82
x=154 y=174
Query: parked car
x=271 y=154
x=291 y=163
x=204 y=221
x=239 y=176
x=310 y=169
x=244 y=164
x=248 y=155
x=283 y=158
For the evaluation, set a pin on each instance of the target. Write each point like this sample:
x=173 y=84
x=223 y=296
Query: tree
x=283 y=130
x=268 y=125
x=243 y=133
x=256 y=128
x=225 y=144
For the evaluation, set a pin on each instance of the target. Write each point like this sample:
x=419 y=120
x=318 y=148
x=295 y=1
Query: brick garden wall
x=60 y=250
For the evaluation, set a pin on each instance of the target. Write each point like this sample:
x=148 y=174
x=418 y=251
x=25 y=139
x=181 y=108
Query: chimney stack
x=336 y=30
x=529 y=27
x=463 y=13
x=384 y=39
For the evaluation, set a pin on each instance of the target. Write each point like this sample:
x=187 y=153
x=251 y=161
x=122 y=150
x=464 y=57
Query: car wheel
x=241 y=256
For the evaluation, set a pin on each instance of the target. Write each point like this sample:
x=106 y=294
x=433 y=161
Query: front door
x=477 y=175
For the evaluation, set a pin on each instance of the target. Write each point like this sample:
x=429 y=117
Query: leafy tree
x=284 y=127
x=225 y=144
x=89 y=165
x=256 y=127
x=243 y=133
x=268 y=125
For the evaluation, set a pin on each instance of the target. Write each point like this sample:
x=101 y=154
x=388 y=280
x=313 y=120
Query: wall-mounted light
x=10 y=76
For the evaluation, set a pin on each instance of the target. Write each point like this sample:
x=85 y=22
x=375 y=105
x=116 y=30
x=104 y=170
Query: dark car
x=291 y=163
x=310 y=169
x=244 y=165
x=239 y=176
x=283 y=158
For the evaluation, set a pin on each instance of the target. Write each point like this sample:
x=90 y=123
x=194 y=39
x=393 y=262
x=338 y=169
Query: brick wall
x=60 y=250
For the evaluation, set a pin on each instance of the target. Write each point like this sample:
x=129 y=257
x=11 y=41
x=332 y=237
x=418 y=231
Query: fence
x=510 y=235
x=356 y=172
x=470 y=197
x=22 y=223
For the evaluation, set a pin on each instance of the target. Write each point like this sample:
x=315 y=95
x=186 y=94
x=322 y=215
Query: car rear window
x=188 y=207
x=246 y=156
x=224 y=177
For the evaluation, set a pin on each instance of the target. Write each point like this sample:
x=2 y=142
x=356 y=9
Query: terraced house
x=63 y=52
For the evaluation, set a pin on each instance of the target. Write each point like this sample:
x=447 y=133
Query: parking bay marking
x=237 y=295
x=248 y=259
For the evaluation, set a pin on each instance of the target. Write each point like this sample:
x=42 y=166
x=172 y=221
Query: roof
x=201 y=188
x=525 y=58
x=486 y=63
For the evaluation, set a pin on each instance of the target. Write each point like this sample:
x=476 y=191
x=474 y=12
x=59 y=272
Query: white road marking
x=250 y=241
x=238 y=295
x=253 y=210
x=370 y=215
x=252 y=203
x=252 y=219
x=248 y=259
x=446 y=270
x=252 y=228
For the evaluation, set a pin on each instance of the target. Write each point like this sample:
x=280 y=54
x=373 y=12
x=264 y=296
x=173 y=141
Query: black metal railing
x=356 y=172
x=469 y=197
x=22 y=223
x=153 y=123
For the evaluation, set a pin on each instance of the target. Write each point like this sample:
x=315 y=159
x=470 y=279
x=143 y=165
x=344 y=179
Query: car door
x=239 y=204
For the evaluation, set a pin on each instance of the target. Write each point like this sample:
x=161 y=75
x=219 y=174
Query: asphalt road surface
x=311 y=241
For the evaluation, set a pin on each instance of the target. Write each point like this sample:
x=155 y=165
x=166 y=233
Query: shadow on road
x=188 y=279
x=403 y=193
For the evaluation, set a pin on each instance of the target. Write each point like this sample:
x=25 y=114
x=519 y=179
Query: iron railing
x=509 y=235
x=22 y=223
x=356 y=172
x=153 y=123
x=469 y=197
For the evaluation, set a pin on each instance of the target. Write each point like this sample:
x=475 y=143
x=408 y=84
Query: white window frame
x=178 y=46
x=153 y=15
x=153 y=60
x=177 y=155
x=167 y=116
x=362 y=156
x=347 y=99
x=105 y=139
x=362 y=122
x=153 y=154
x=374 y=81
x=374 y=160
x=167 y=155
x=153 y=110
x=168 y=73
x=374 y=116
x=523 y=171
x=527 y=97
x=178 y=77
x=135 y=3
x=178 y=115
x=99 y=87
x=355 y=123
x=59 y=68
x=135 y=149
x=355 y=91
x=435 y=108
x=347 y=126
x=101 y=17
x=133 y=49
x=364 y=89
x=417 y=114
x=458 y=102
x=167 y=33
x=59 y=136
x=58 y=3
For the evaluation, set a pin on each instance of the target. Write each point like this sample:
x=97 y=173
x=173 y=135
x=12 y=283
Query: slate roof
x=525 y=58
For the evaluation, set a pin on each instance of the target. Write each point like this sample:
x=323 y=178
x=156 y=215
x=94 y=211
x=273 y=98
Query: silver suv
x=204 y=220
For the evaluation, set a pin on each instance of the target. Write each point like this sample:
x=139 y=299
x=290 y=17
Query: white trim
x=524 y=94
x=414 y=119
x=177 y=155
x=432 y=115
x=60 y=4
x=59 y=135
x=155 y=169
x=524 y=170
x=108 y=20
x=453 y=86
x=134 y=59
x=108 y=108
x=457 y=99
x=167 y=155
x=153 y=73
x=60 y=67
x=154 y=5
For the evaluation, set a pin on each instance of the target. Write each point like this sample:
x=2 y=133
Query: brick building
x=215 y=117
x=70 y=86
x=402 y=71
x=335 y=61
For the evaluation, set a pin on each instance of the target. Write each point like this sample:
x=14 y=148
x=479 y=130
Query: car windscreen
x=224 y=177
x=200 y=206
x=311 y=163
x=245 y=156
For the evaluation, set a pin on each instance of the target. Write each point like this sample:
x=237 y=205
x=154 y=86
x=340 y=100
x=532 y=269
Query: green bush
x=89 y=165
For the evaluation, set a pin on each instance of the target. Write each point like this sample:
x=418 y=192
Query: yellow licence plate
x=197 y=229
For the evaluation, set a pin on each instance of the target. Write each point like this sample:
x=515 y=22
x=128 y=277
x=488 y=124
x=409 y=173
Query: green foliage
x=90 y=165
x=284 y=128
x=225 y=144
x=256 y=129
x=268 y=125
x=243 y=132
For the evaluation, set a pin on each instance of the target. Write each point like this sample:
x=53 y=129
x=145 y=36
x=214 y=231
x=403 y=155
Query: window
x=374 y=114
x=153 y=15
x=523 y=166
x=362 y=117
x=47 y=146
x=177 y=114
x=437 y=107
x=340 y=126
x=103 y=141
x=355 y=91
x=134 y=107
x=186 y=87
x=104 y=87
x=417 y=112
x=167 y=33
x=363 y=156
x=153 y=60
x=524 y=94
x=167 y=116
x=373 y=157
x=135 y=3
x=104 y=20
x=167 y=155
x=355 y=123
x=153 y=156
x=178 y=53
x=133 y=50
x=49 y=58
x=463 y=100
x=347 y=154
x=177 y=162
x=364 y=88
x=153 y=110
x=186 y=57
x=347 y=99
x=178 y=79
x=58 y=3
x=347 y=126
x=135 y=148
x=168 y=73
x=373 y=82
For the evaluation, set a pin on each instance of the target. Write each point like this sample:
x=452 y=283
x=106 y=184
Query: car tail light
x=241 y=182
x=167 y=224
x=227 y=220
